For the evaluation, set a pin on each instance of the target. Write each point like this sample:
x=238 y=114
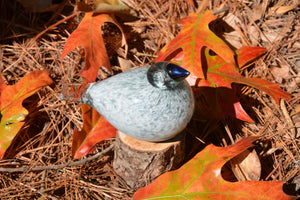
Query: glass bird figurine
x=152 y=103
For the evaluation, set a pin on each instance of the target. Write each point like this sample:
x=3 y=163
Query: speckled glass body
x=137 y=108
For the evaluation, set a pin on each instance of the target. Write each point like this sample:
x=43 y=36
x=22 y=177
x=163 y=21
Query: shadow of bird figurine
x=151 y=103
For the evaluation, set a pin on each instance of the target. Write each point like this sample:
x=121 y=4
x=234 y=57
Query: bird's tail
x=74 y=92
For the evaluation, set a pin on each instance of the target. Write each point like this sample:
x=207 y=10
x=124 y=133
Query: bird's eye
x=159 y=78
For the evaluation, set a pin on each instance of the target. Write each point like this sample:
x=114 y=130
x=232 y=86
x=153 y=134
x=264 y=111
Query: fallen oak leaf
x=219 y=72
x=201 y=178
x=12 y=111
x=247 y=54
x=220 y=75
x=88 y=35
x=223 y=74
x=193 y=37
x=95 y=129
x=269 y=88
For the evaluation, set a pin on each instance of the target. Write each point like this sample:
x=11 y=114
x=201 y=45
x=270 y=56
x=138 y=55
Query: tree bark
x=139 y=162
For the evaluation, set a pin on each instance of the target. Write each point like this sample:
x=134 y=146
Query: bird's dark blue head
x=166 y=75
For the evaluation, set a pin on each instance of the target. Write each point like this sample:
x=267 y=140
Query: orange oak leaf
x=2 y=84
x=88 y=35
x=247 y=54
x=201 y=178
x=12 y=111
x=223 y=74
x=217 y=93
x=95 y=129
x=194 y=36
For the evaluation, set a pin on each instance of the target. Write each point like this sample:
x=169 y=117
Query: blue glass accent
x=176 y=72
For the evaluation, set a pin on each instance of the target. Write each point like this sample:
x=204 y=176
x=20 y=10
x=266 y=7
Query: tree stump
x=139 y=162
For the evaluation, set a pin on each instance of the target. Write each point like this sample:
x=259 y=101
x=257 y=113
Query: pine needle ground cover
x=39 y=164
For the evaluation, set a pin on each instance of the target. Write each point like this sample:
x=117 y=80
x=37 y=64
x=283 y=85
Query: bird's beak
x=176 y=72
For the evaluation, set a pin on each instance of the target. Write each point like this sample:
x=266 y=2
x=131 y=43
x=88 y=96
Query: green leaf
x=12 y=111
x=194 y=36
x=201 y=178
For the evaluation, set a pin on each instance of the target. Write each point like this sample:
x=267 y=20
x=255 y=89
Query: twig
x=60 y=166
x=220 y=11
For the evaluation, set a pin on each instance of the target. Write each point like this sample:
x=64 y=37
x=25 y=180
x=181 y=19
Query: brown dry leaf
x=246 y=166
x=283 y=9
x=106 y=6
x=125 y=64
x=280 y=73
x=233 y=37
x=258 y=11
x=296 y=110
x=113 y=6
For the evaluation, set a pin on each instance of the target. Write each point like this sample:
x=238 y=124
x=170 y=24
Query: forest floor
x=46 y=138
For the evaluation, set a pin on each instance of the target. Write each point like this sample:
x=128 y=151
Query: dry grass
x=47 y=135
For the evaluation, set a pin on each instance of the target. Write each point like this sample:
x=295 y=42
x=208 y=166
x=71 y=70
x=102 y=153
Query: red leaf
x=271 y=89
x=88 y=35
x=95 y=129
x=247 y=54
x=12 y=111
x=195 y=35
x=201 y=178
x=222 y=74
